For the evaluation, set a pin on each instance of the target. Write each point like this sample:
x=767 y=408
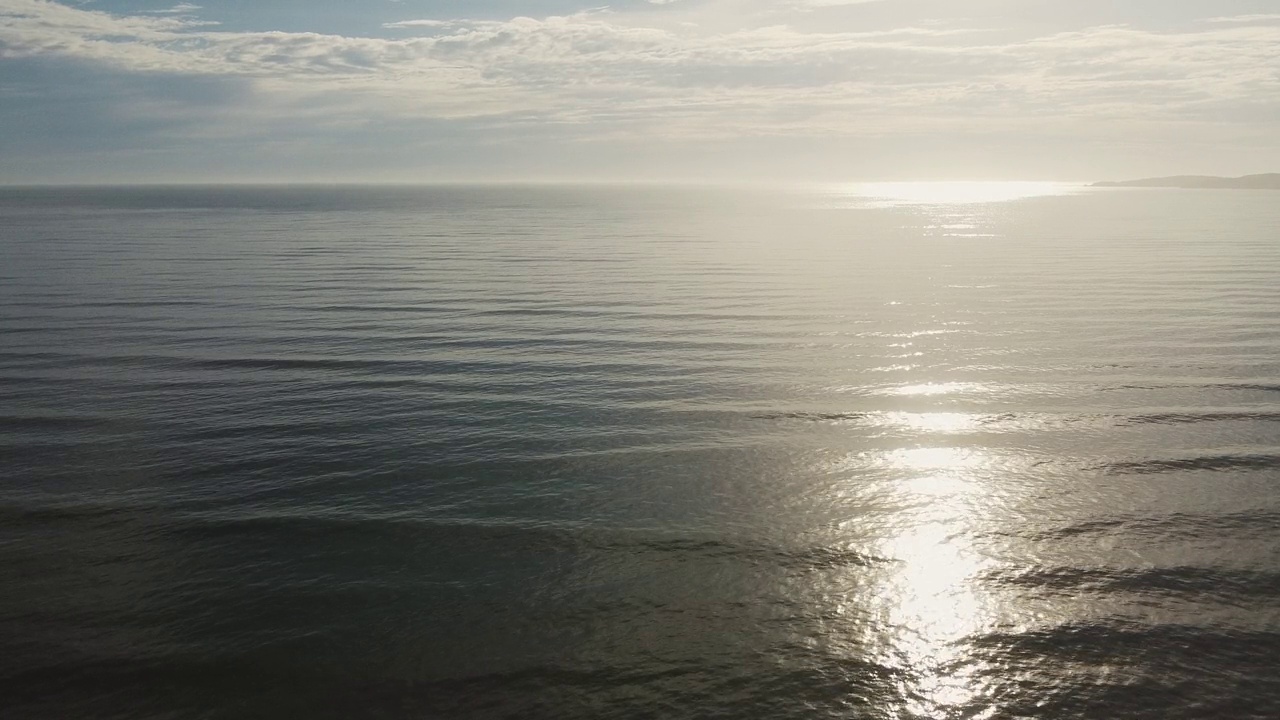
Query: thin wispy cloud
x=179 y=9
x=1243 y=19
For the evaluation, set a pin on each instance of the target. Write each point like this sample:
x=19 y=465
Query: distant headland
x=1269 y=181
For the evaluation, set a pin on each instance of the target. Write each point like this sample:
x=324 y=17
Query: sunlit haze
x=412 y=91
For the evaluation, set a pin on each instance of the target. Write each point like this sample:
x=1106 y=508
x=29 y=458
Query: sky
x=694 y=90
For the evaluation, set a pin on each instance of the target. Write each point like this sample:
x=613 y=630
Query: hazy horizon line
x=675 y=182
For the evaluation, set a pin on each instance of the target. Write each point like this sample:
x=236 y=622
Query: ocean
x=917 y=451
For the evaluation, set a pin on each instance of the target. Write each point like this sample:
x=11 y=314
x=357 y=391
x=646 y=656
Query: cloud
x=1245 y=19
x=609 y=64
x=830 y=3
x=408 y=24
x=713 y=69
x=179 y=9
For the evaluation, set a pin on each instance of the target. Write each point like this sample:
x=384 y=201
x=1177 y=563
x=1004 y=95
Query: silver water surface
x=622 y=452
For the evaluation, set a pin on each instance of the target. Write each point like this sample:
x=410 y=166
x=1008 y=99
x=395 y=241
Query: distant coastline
x=1269 y=181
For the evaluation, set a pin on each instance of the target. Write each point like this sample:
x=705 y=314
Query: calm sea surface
x=639 y=453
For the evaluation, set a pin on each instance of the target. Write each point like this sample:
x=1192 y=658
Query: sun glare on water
x=932 y=599
x=951 y=193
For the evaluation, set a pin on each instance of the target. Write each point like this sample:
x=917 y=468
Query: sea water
x=639 y=452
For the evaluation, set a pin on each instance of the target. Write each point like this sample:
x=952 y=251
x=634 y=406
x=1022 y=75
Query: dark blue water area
x=638 y=452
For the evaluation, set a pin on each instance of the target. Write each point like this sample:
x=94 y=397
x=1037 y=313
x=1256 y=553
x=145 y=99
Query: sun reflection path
x=932 y=606
x=932 y=600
